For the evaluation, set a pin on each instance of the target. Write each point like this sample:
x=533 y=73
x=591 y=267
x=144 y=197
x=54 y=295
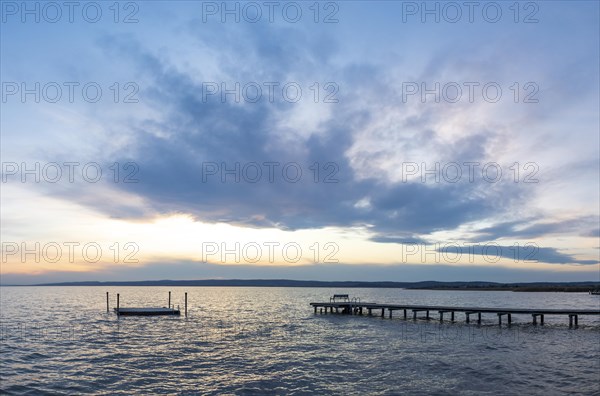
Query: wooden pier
x=355 y=307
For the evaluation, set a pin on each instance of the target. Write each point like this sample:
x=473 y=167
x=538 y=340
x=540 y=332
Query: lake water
x=236 y=340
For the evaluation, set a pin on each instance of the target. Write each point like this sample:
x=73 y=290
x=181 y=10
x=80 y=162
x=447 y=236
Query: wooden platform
x=357 y=308
x=146 y=311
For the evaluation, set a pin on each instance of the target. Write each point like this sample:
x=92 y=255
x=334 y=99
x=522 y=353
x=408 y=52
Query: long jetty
x=355 y=307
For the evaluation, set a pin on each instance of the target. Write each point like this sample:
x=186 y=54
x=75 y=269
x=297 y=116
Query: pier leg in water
x=427 y=315
x=186 y=304
x=117 y=304
x=452 y=316
x=467 y=316
x=570 y=320
x=509 y=318
x=534 y=316
x=414 y=315
x=405 y=314
x=441 y=316
x=541 y=319
x=369 y=311
x=169 y=306
x=390 y=314
x=382 y=312
x=107 y=309
x=360 y=310
x=478 y=317
x=315 y=309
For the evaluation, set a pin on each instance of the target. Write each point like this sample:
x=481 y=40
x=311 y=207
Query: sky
x=348 y=140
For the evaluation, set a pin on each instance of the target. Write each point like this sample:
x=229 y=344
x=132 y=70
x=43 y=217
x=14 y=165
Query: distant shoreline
x=573 y=287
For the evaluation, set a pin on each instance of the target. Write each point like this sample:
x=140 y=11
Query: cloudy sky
x=346 y=140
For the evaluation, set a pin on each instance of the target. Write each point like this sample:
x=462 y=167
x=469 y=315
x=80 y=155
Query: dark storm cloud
x=521 y=253
x=198 y=133
x=537 y=227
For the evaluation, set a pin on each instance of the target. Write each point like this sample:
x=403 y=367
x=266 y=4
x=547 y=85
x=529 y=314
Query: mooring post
x=186 y=304
x=169 y=306
x=117 y=303
x=107 y=306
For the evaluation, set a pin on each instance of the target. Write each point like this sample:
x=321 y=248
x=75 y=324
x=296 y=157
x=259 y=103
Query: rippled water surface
x=60 y=340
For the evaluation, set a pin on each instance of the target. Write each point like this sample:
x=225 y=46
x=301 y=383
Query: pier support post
x=117 y=304
x=360 y=310
x=452 y=316
x=427 y=315
x=509 y=318
x=541 y=319
x=500 y=318
x=441 y=316
x=573 y=320
x=478 y=317
x=468 y=316
x=390 y=314
x=315 y=309
x=370 y=312
x=185 y=304
x=534 y=316
x=382 y=312
x=405 y=314
x=414 y=315
x=107 y=306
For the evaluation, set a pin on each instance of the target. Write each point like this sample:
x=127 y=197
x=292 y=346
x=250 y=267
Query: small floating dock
x=344 y=305
x=146 y=311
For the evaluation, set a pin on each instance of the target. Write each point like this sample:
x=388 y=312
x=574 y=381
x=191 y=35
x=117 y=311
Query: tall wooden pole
x=107 y=309
x=117 y=303
x=169 y=306
x=186 y=304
